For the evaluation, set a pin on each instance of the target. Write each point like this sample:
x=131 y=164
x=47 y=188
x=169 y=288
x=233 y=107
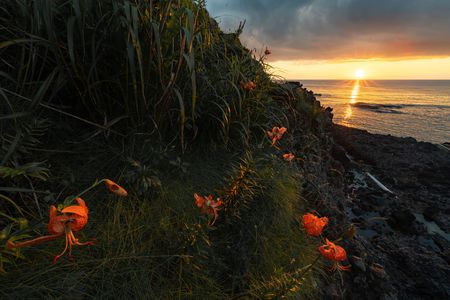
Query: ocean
x=406 y=108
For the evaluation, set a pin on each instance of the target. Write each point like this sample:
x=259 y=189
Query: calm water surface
x=416 y=108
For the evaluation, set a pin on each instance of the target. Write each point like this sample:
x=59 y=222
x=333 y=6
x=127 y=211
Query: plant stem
x=90 y=188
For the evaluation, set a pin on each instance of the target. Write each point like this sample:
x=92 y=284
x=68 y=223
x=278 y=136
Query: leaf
x=70 y=36
x=182 y=115
x=45 y=86
x=6 y=231
x=15 y=115
x=10 y=201
x=12 y=147
x=15 y=42
x=19 y=237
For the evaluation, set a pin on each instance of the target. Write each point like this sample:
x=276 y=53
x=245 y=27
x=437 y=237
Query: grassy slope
x=86 y=105
x=158 y=246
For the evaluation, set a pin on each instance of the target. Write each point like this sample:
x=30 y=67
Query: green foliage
x=266 y=230
x=34 y=170
x=15 y=230
x=142 y=178
x=149 y=91
x=283 y=285
x=305 y=105
x=243 y=185
x=162 y=242
x=18 y=139
x=160 y=66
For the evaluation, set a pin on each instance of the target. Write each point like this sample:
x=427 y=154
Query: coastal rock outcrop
x=402 y=246
x=408 y=231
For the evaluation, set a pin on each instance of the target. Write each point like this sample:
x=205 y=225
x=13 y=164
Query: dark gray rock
x=402 y=220
x=359 y=263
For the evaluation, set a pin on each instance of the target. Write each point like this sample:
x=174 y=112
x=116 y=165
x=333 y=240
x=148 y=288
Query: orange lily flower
x=276 y=133
x=208 y=206
x=73 y=218
x=249 y=85
x=313 y=224
x=80 y=213
x=56 y=224
x=267 y=52
x=115 y=188
x=334 y=253
x=289 y=156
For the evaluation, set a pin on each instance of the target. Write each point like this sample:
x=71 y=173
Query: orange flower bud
x=115 y=188
x=249 y=85
x=289 y=156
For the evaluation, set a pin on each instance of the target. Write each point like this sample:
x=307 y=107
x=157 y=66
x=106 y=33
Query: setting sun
x=359 y=74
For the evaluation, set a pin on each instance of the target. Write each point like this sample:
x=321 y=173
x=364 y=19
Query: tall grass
x=148 y=92
x=130 y=66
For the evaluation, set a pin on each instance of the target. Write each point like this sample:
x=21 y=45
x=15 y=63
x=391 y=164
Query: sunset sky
x=335 y=39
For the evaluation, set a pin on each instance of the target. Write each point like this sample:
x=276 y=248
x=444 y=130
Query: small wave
x=380 y=108
x=426 y=105
x=395 y=108
x=398 y=105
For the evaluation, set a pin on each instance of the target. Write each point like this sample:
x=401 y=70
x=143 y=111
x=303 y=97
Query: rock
x=358 y=262
x=357 y=210
x=360 y=281
x=379 y=271
x=441 y=242
x=402 y=220
x=332 y=291
x=429 y=212
x=389 y=296
x=338 y=153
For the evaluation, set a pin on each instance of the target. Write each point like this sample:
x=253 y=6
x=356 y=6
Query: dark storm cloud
x=346 y=29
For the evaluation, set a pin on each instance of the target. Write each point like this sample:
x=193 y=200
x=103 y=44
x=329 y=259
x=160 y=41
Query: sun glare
x=359 y=74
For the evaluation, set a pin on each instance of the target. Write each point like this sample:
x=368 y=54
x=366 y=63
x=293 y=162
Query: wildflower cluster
x=275 y=135
x=211 y=207
x=67 y=220
x=314 y=226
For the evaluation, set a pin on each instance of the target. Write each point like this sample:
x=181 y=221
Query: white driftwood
x=443 y=147
x=382 y=186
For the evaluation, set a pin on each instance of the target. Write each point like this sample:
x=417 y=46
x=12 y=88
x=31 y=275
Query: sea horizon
x=366 y=79
x=418 y=108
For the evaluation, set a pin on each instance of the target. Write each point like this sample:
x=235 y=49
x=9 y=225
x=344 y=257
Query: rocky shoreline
x=402 y=246
x=402 y=249
x=396 y=192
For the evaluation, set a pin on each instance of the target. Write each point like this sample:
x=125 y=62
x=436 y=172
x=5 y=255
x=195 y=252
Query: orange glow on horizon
x=424 y=68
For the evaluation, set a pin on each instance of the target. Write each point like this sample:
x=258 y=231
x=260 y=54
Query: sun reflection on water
x=353 y=99
x=355 y=92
